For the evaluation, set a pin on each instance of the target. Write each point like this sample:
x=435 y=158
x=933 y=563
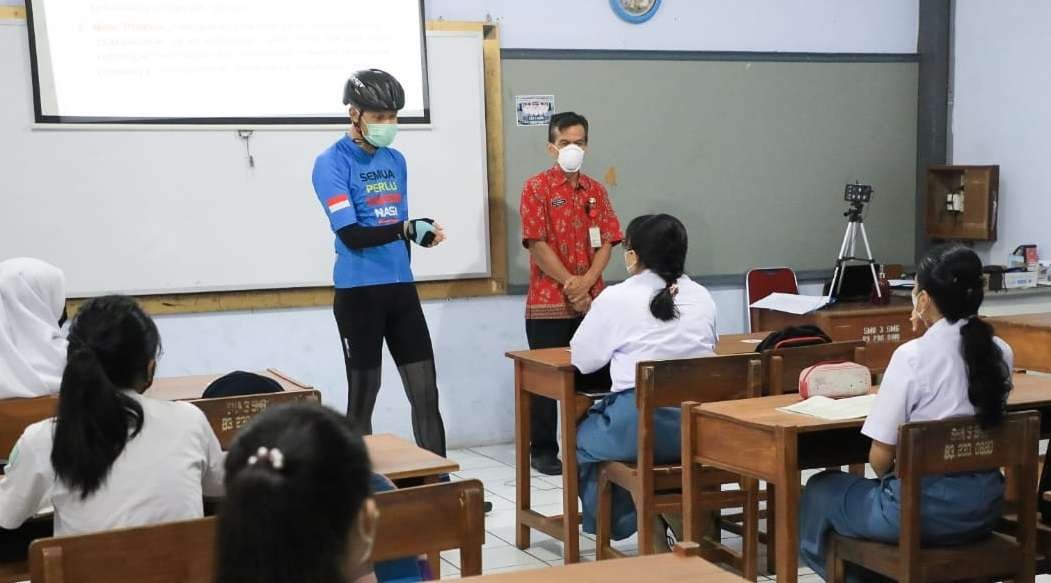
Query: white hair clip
x=274 y=456
x=673 y=289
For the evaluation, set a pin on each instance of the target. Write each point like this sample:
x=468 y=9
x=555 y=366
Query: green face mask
x=381 y=135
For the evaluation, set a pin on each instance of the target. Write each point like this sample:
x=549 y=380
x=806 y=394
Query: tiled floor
x=494 y=466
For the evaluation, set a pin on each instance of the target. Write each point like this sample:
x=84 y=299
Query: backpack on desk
x=794 y=336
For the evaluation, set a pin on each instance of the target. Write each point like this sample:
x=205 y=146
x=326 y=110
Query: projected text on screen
x=219 y=61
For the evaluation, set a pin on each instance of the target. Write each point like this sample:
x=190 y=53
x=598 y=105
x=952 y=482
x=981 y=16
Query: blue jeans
x=610 y=432
x=954 y=510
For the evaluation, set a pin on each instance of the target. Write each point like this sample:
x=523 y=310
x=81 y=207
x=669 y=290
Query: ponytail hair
x=660 y=241
x=952 y=276
x=111 y=345
x=297 y=478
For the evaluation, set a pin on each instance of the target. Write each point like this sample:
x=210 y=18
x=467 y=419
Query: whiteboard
x=149 y=211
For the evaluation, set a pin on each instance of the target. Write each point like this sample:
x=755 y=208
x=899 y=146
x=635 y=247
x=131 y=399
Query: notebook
x=833 y=409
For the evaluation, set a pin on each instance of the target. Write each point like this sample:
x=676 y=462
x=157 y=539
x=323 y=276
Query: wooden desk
x=666 y=567
x=192 y=387
x=398 y=459
x=883 y=328
x=1029 y=337
x=549 y=373
x=17 y=414
x=739 y=343
x=751 y=437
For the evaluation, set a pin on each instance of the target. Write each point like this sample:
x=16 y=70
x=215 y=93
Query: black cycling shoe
x=547 y=464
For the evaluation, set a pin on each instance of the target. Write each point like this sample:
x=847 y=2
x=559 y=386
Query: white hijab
x=32 y=346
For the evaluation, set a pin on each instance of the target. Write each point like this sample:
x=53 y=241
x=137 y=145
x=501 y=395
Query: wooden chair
x=17 y=414
x=947 y=447
x=427 y=519
x=783 y=366
x=176 y=552
x=658 y=489
x=227 y=415
x=431 y=519
x=761 y=282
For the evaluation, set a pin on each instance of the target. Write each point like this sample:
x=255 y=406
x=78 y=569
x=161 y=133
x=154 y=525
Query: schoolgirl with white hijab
x=32 y=343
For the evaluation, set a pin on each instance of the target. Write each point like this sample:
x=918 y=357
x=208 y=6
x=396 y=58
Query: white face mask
x=571 y=158
x=916 y=306
x=630 y=266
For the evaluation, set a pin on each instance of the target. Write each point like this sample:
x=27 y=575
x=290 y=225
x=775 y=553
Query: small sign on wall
x=534 y=110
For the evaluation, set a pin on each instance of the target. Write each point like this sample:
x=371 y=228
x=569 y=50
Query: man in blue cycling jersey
x=361 y=184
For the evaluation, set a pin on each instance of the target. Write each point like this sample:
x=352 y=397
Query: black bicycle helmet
x=374 y=90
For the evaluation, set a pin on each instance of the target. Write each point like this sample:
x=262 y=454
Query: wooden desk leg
x=522 y=436
x=434 y=561
x=570 y=516
x=787 y=509
x=771 y=528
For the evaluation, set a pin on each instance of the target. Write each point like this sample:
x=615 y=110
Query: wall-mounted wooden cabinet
x=962 y=202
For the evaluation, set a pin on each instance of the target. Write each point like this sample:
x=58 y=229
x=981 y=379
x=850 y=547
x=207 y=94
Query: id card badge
x=596 y=237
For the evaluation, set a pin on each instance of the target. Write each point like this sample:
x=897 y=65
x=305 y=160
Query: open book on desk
x=833 y=409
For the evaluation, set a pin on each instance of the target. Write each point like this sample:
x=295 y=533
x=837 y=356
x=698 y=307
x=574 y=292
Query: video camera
x=857 y=193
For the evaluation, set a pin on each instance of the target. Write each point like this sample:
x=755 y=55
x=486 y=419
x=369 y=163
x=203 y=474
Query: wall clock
x=635 y=11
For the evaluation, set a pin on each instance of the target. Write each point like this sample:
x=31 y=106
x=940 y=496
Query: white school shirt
x=161 y=476
x=926 y=380
x=620 y=330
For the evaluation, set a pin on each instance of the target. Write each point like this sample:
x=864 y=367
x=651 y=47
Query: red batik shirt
x=560 y=215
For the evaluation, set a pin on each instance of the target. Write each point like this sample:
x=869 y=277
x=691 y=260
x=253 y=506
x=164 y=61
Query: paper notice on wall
x=534 y=110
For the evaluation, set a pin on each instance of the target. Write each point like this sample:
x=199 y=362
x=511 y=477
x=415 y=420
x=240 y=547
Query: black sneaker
x=487 y=507
x=547 y=464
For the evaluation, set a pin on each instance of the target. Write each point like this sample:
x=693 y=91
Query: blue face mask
x=381 y=135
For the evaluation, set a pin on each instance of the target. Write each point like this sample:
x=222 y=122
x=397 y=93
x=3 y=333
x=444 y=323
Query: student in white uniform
x=32 y=344
x=957 y=368
x=657 y=313
x=112 y=458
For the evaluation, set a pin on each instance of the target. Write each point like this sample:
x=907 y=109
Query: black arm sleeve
x=358 y=237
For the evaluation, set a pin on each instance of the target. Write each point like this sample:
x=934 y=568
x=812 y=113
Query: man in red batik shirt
x=569 y=227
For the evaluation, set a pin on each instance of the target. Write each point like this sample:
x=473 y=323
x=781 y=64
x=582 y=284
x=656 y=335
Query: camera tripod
x=855 y=226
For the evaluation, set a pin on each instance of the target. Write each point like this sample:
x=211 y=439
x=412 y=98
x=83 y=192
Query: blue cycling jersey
x=354 y=186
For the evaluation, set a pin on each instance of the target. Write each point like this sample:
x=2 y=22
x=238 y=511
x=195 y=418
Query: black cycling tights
x=366 y=316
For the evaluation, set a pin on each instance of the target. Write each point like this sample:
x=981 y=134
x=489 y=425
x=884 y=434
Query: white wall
x=470 y=338
x=1001 y=113
x=825 y=26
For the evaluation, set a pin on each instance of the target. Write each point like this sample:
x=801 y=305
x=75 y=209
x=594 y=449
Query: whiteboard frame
x=322 y=296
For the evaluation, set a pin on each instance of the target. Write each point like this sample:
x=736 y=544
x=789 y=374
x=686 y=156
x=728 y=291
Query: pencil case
x=835 y=380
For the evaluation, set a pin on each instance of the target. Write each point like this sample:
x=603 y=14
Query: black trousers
x=543 y=419
x=366 y=316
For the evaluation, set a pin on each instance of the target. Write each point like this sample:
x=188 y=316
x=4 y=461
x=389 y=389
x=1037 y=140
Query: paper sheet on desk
x=833 y=409
x=792 y=303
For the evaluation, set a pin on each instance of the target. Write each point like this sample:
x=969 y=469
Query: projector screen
x=219 y=61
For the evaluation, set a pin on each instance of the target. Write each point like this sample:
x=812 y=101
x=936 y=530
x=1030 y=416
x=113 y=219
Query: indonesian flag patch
x=338 y=203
